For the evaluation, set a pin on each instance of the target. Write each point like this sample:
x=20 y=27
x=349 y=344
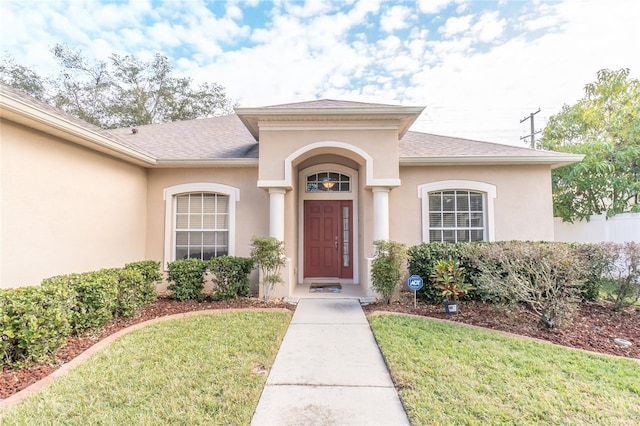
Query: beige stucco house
x=327 y=177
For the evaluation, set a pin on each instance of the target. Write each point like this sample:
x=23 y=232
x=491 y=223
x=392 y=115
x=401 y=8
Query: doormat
x=325 y=288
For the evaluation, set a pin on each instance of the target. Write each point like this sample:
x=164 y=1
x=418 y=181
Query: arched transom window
x=328 y=182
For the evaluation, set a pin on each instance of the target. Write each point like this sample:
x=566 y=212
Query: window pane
x=462 y=200
x=208 y=252
x=476 y=202
x=463 y=235
x=196 y=203
x=476 y=220
x=312 y=178
x=182 y=204
x=435 y=201
x=195 y=221
x=435 y=235
x=223 y=204
x=222 y=221
x=182 y=238
x=448 y=201
x=222 y=239
x=209 y=238
x=477 y=235
x=182 y=253
x=449 y=220
x=449 y=235
x=344 y=187
x=209 y=221
x=463 y=220
x=435 y=220
x=182 y=221
x=195 y=238
x=209 y=203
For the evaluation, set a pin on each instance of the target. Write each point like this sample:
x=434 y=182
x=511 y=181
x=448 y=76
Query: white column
x=276 y=212
x=380 y=213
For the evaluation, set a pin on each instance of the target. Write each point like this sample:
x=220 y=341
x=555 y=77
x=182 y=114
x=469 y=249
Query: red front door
x=328 y=239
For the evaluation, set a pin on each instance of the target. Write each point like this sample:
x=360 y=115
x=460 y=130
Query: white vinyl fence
x=618 y=229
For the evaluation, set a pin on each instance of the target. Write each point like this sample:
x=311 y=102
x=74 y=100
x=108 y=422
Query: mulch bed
x=594 y=329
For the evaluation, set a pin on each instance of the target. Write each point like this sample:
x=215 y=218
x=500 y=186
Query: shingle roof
x=212 y=138
x=427 y=145
x=226 y=137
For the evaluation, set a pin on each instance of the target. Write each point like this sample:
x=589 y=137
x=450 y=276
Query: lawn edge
x=65 y=369
x=504 y=333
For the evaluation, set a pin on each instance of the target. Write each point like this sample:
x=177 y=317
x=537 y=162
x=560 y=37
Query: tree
x=120 y=92
x=605 y=127
x=22 y=78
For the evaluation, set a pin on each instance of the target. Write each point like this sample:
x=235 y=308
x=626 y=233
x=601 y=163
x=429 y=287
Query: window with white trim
x=456 y=216
x=457 y=210
x=199 y=220
x=201 y=225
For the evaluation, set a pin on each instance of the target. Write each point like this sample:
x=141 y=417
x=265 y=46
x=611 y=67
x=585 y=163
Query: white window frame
x=488 y=191
x=169 y=197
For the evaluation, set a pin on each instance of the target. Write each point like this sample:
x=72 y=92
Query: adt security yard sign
x=415 y=283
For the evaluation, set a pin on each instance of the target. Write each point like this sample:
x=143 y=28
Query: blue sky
x=478 y=66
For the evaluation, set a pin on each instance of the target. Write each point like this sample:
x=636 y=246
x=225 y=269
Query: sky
x=479 y=67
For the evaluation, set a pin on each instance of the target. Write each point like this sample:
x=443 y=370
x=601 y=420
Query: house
x=327 y=177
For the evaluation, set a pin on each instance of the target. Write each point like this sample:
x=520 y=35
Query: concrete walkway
x=329 y=371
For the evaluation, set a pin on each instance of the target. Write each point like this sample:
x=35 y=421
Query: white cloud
x=456 y=25
x=489 y=27
x=395 y=18
x=432 y=6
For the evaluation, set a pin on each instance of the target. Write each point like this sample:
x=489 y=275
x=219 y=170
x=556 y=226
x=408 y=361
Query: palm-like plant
x=448 y=277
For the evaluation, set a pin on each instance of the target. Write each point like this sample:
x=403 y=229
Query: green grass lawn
x=450 y=374
x=195 y=370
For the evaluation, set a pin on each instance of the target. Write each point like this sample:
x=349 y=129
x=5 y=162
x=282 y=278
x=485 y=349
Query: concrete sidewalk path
x=329 y=371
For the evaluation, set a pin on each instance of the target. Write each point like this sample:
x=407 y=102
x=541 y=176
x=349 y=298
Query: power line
x=533 y=131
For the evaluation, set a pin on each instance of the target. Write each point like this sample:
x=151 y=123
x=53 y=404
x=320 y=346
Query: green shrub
x=150 y=270
x=269 y=254
x=595 y=261
x=230 y=276
x=96 y=296
x=624 y=274
x=35 y=321
x=544 y=276
x=424 y=257
x=388 y=267
x=187 y=279
x=133 y=292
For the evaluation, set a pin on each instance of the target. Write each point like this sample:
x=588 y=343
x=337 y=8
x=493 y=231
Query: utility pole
x=533 y=132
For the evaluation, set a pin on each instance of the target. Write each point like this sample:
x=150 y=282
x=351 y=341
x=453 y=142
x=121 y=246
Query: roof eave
x=33 y=117
x=406 y=115
x=218 y=162
x=554 y=162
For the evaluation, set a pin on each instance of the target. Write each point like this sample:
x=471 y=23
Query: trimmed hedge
x=35 y=321
x=230 y=276
x=187 y=279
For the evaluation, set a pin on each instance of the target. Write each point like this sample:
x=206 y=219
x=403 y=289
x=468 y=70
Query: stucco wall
x=252 y=211
x=65 y=208
x=276 y=145
x=523 y=205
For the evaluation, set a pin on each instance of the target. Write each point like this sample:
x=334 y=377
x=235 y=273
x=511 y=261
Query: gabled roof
x=328 y=103
x=328 y=109
x=227 y=141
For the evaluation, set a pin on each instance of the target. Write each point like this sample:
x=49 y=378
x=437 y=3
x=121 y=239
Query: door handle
x=335 y=242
